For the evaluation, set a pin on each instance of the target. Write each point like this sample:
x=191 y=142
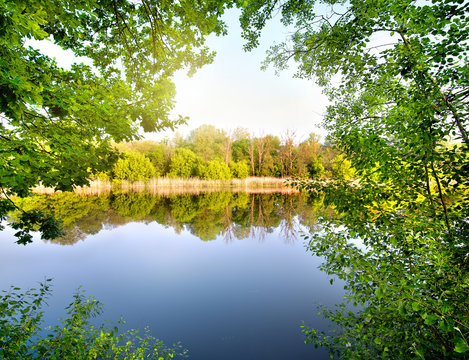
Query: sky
x=234 y=92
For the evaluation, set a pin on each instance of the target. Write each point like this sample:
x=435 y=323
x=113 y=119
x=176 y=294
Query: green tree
x=309 y=157
x=403 y=82
x=184 y=163
x=134 y=166
x=207 y=142
x=57 y=124
x=240 y=144
x=160 y=157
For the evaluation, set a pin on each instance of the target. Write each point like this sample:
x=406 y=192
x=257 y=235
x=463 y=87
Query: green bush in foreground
x=22 y=337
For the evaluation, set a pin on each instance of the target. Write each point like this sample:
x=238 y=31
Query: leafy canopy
x=396 y=74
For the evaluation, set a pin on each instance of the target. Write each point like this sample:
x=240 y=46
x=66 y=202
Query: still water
x=225 y=274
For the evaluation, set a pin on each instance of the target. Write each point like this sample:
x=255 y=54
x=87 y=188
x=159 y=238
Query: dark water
x=225 y=274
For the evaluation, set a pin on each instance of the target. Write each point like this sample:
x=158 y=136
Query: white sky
x=233 y=91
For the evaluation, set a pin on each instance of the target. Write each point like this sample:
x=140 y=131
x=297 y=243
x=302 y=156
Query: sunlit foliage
x=397 y=79
x=133 y=167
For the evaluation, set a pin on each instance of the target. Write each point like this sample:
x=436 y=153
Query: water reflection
x=235 y=216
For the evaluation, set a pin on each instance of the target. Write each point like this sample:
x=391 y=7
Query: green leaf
x=461 y=346
x=379 y=292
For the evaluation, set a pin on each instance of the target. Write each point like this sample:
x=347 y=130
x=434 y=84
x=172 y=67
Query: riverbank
x=167 y=186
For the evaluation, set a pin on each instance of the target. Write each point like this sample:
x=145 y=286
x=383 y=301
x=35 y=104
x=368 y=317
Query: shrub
x=215 y=169
x=101 y=175
x=183 y=164
x=22 y=335
x=133 y=167
x=240 y=169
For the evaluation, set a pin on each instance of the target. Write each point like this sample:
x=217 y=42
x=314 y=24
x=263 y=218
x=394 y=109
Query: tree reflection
x=231 y=215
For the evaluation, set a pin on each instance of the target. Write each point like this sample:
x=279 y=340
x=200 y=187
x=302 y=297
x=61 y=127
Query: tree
x=207 y=142
x=309 y=157
x=240 y=144
x=252 y=154
x=403 y=84
x=57 y=123
x=227 y=147
x=261 y=148
x=315 y=168
x=160 y=157
x=271 y=165
x=288 y=153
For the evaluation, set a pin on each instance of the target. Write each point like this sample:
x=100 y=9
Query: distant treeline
x=211 y=153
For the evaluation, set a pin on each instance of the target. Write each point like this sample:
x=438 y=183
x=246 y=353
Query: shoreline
x=172 y=186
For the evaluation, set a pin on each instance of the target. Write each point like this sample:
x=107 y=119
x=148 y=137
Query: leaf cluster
x=75 y=337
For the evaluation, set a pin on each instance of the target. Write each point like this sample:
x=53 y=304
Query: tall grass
x=167 y=186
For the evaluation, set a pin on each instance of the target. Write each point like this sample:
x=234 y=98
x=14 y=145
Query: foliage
x=75 y=337
x=315 y=168
x=240 y=169
x=266 y=156
x=57 y=124
x=135 y=206
x=206 y=142
x=160 y=157
x=398 y=96
x=215 y=169
x=342 y=168
x=233 y=215
x=183 y=164
x=240 y=149
x=409 y=284
x=134 y=166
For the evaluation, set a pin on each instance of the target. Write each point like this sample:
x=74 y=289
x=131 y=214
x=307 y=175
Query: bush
x=183 y=164
x=101 y=175
x=133 y=167
x=160 y=157
x=240 y=170
x=215 y=169
x=75 y=338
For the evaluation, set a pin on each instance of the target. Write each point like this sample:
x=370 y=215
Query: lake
x=225 y=274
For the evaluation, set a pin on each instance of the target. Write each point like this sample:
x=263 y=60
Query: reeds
x=169 y=186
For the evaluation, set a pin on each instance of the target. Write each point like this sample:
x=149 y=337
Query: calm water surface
x=229 y=279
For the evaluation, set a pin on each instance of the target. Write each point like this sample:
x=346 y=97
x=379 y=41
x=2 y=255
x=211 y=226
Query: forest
x=211 y=153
